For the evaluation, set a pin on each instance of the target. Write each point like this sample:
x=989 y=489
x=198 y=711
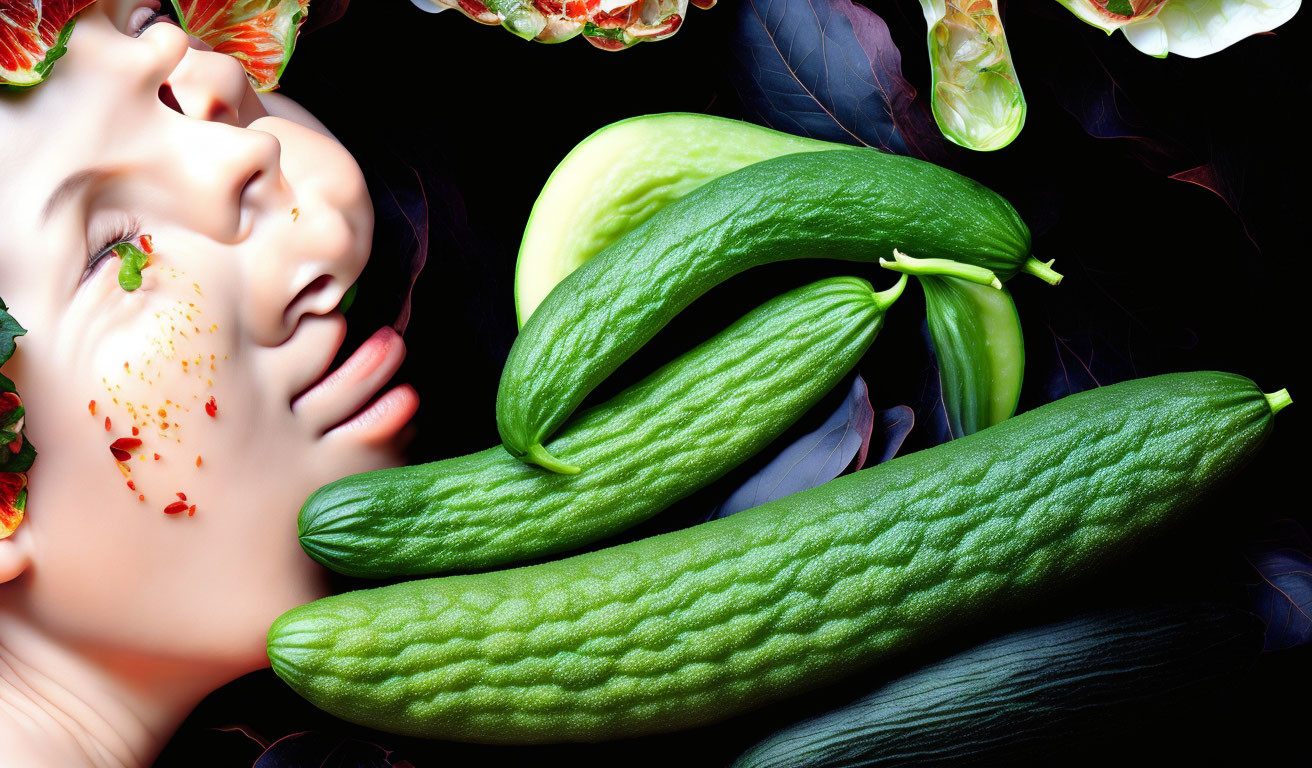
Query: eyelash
x=123 y=232
x=165 y=12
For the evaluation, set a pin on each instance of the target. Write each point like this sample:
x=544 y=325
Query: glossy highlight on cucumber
x=663 y=438
x=694 y=626
x=856 y=205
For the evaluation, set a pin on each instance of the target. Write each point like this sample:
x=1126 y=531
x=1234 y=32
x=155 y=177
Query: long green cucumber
x=1038 y=694
x=672 y=433
x=844 y=204
x=696 y=625
x=615 y=179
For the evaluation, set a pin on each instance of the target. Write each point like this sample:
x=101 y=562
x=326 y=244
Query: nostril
x=310 y=299
x=166 y=96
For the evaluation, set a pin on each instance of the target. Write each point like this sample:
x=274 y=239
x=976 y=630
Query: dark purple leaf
x=1283 y=596
x=317 y=748
x=842 y=443
x=828 y=69
x=324 y=12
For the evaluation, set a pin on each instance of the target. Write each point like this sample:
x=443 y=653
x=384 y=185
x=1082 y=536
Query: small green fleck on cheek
x=133 y=260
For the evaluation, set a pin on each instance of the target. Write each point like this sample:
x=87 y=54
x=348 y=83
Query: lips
x=344 y=399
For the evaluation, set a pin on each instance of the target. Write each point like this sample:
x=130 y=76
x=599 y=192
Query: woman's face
x=259 y=226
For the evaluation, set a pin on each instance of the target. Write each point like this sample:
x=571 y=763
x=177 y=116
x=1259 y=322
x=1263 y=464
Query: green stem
x=885 y=299
x=909 y=265
x=1043 y=271
x=1278 y=400
x=536 y=454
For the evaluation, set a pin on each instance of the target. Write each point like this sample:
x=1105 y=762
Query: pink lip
x=338 y=400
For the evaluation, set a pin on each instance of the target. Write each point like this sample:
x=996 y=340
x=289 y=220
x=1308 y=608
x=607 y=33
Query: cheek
x=155 y=398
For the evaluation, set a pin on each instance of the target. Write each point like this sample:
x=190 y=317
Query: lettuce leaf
x=1190 y=28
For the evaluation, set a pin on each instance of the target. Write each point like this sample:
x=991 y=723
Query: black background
x=1161 y=275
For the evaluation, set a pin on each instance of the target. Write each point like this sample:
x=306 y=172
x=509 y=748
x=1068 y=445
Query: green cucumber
x=615 y=179
x=845 y=204
x=1031 y=697
x=977 y=340
x=672 y=433
x=981 y=351
x=694 y=626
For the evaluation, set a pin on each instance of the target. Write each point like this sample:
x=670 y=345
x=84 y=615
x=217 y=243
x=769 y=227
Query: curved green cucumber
x=855 y=204
x=980 y=348
x=1033 y=695
x=697 y=625
x=672 y=433
x=619 y=176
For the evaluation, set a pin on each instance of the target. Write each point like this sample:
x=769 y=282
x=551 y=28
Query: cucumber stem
x=1043 y=271
x=885 y=299
x=1278 y=400
x=909 y=265
x=536 y=454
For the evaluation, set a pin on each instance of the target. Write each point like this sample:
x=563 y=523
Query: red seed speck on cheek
x=136 y=431
x=107 y=426
x=92 y=407
x=182 y=495
x=198 y=461
x=121 y=446
x=191 y=511
x=157 y=457
x=141 y=497
x=211 y=407
x=132 y=485
x=175 y=508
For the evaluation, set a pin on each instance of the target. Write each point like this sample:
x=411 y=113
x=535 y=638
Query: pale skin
x=116 y=618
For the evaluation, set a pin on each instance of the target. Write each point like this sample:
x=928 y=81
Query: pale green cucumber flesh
x=672 y=433
x=615 y=179
x=855 y=205
x=980 y=349
x=697 y=625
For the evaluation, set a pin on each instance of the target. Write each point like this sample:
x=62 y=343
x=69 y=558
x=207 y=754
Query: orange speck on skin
x=123 y=469
x=198 y=461
x=92 y=406
x=163 y=425
x=136 y=431
x=107 y=427
x=191 y=512
x=141 y=497
x=156 y=457
x=162 y=413
x=132 y=485
x=182 y=495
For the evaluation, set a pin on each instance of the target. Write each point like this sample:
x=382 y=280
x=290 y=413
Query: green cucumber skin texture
x=1039 y=693
x=980 y=349
x=694 y=626
x=855 y=205
x=672 y=433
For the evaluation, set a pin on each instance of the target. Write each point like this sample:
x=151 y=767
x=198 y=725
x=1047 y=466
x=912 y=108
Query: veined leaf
x=1283 y=596
x=827 y=69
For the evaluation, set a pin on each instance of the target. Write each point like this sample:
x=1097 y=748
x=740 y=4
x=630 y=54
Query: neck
x=64 y=707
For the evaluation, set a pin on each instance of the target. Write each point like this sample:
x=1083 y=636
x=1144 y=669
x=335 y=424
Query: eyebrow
x=69 y=189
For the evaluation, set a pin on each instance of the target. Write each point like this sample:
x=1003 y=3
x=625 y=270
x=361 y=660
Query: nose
x=201 y=84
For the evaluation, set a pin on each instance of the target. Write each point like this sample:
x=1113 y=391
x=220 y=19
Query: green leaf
x=133 y=261
x=9 y=330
